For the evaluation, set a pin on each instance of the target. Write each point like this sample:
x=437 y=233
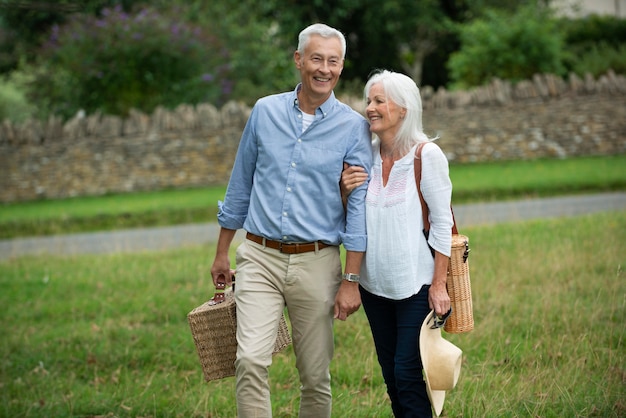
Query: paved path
x=163 y=238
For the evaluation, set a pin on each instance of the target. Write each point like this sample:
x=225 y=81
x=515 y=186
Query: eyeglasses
x=440 y=321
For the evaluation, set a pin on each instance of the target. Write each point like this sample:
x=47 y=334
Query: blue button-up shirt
x=285 y=183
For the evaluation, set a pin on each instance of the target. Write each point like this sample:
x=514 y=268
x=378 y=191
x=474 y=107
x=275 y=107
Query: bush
x=508 y=46
x=119 y=61
x=14 y=105
x=595 y=44
x=260 y=58
x=594 y=29
x=598 y=59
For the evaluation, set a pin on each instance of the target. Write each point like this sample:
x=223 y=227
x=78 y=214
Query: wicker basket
x=214 y=328
x=459 y=287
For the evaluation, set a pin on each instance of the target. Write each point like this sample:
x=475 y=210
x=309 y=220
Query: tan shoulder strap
x=417 y=167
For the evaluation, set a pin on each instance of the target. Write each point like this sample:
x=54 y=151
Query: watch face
x=351 y=277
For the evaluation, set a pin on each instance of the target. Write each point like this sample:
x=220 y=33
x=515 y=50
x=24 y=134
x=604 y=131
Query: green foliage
x=393 y=34
x=14 y=105
x=594 y=29
x=598 y=59
x=378 y=34
x=121 y=61
x=247 y=46
x=51 y=89
x=23 y=29
x=24 y=25
x=595 y=44
x=507 y=46
x=260 y=59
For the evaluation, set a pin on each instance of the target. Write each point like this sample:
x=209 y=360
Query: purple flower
x=141 y=15
x=227 y=87
x=54 y=34
x=207 y=77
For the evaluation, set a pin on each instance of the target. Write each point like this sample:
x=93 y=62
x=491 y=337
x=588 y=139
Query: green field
x=106 y=336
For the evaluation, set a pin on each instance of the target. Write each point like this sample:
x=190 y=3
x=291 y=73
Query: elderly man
x=284 y=191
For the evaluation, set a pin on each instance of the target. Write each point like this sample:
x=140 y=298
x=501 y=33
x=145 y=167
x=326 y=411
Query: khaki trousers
x=267 y=281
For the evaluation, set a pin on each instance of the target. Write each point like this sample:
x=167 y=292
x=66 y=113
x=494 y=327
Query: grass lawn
x=106 y=336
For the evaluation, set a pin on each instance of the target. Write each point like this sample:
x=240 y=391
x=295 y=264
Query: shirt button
x=293 y=164
x=284 y=237
x=299 y=115
x=284 y=213
x=288 y=189
x=299 y=140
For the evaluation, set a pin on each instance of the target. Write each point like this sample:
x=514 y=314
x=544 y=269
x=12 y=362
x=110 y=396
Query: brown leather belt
x=295 y=248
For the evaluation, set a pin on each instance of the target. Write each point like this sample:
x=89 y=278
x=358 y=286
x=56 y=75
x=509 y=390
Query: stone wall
x=546 y=117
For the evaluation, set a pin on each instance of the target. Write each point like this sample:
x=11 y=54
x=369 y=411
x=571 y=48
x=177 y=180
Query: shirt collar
x=324 y=108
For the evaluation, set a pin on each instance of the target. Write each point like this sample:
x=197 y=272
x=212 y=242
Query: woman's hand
x=351 y=178
x=438 y=298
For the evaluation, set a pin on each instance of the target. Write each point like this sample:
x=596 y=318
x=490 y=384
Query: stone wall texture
x=193 y=146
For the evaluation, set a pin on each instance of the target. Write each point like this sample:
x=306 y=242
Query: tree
x=260 y=60
x=401 y=35
x=24 y=24
x=511 y=46
x=120 y=61
x=417 y=28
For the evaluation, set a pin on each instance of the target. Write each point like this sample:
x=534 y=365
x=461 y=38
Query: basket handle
x=219 y=295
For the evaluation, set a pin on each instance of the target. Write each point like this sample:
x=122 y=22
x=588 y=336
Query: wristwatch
x=351 y=277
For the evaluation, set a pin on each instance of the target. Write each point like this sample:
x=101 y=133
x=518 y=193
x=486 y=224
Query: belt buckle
x=287 y=248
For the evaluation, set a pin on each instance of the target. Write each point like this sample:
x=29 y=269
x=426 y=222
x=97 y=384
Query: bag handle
x=417 y=167
x=219 y=295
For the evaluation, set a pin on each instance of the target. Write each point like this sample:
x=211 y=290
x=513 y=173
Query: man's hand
x=348 y=300
x=220 y=270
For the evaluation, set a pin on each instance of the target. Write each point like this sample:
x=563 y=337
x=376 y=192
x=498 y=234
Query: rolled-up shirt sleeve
x=233 y=211
x=360 y=154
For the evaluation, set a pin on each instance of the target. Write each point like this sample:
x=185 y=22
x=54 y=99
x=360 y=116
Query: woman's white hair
x=403 y=91
x=322 y=30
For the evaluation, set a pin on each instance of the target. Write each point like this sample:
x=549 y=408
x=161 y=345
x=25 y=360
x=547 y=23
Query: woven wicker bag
x=214 y=329
x=458 y=281
x=459 y=287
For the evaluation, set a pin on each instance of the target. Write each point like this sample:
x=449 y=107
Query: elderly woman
x=400 y=280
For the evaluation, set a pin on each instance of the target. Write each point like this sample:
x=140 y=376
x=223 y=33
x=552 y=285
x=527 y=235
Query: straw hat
x=442 y=363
